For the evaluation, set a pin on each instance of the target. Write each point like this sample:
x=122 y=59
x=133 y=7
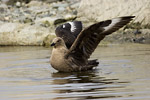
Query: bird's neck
x=60 y=46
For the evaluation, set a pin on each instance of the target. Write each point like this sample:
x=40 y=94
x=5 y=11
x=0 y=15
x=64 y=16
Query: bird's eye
x=58 y=41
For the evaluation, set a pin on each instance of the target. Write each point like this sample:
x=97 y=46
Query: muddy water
x=123 y=74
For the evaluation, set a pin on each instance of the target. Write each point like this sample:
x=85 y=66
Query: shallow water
x=123 y=74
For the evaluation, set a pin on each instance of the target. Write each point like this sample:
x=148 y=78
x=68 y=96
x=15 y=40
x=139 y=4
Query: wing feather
x=89 y=38
x=69 y=32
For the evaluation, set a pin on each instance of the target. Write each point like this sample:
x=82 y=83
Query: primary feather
x=75 y=57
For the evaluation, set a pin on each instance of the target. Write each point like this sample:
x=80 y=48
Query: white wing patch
x=113 y=22
x=73 y=27
x=64 y=26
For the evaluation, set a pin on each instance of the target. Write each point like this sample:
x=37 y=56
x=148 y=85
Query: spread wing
x=69 y=31
x=76 y=27
x=90 y=37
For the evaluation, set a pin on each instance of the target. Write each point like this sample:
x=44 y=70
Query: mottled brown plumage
x=76 y=57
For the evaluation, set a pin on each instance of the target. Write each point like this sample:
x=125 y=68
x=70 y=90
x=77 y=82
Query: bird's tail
x=92 y=63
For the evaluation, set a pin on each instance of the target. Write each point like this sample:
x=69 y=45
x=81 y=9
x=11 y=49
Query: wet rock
x=8 y=27
x=75 y=5
x=70 y=17
x=27 y=20
x=61 y=9
x=34 y=3
x=139 y=40
x=98 y=10
x=48 y=40
x=51 y=1
x=50 y=21
x=13 y=2
x=18 y=4
x=129 y=36
x=58 y=5
x=44 y=20
x=137 y=31
x=22 y=34
x=3 y=8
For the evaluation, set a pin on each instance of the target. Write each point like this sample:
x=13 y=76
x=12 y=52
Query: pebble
x=37 y=9
x=32 y=23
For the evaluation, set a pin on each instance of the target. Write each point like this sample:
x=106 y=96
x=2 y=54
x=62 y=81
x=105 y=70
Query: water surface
x=123 y=74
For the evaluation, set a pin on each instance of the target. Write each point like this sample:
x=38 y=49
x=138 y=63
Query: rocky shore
x=32 y=22
x=138 y=31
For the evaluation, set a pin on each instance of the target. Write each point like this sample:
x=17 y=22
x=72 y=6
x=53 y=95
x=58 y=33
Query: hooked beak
x=53 y=44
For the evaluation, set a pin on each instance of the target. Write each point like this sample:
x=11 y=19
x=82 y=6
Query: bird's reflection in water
x=84 y=85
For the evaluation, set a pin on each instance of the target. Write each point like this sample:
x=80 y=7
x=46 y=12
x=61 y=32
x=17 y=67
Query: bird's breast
x=58 y=61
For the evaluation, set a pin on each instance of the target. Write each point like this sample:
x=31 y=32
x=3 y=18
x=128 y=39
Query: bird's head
x=57 y=42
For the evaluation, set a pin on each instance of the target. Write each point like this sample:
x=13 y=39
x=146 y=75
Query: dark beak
x=52 y=44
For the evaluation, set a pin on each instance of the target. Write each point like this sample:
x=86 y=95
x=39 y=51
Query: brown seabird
x=72 y=50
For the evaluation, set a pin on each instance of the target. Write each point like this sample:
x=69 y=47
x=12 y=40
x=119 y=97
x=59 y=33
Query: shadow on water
x=85 y=85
